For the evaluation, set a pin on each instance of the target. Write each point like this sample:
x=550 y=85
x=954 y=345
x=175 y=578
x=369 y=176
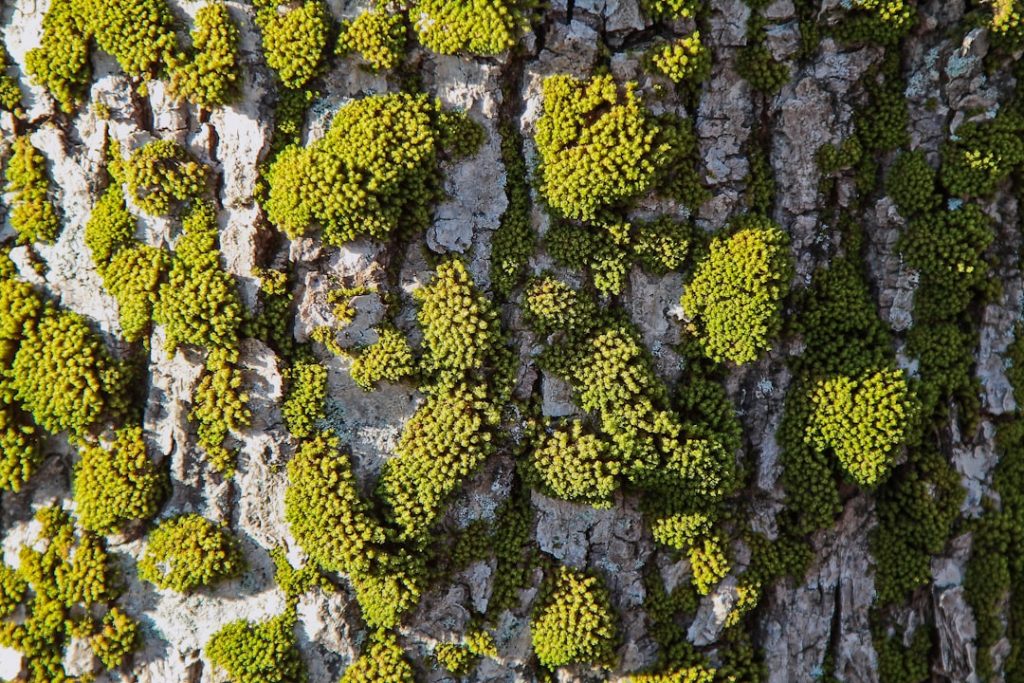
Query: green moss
x=442 y=444
x=63 y=375
x=662 y=245
x=12 y=590
x=304 y=405
x=295 y=40
x=260 y=652
x=911 y=184
x=1007 y=23
x=274 y=317
x=187 y=552
x=948 y=250
x=573 y=465
x=351 y=187
x=64 y=586
x=573 y=621
x=117 y=486
x=10 y=93
x=198 y=304
x=139 y=34
x=110 y=227
x=734 y=301
x=377 y=36
x=118 y=638
x=846 y=346
x=666 y=10
x=296 y=582
x=883 y=22
x=597 y=143
x=513 y=242
x=455 y=658
x=462 y=335
x=32 y=214
x=551 y=305
x=220 y=406
x=393 y=590
x=684 y=59
x=133 y=277
x=484 y=27
x=325 y=512
x=759 y=68
x=863 y=421
x=605 y=254
x=387 y=359
x=61 y=62
x=210 y=78
x=983 y=155
x=20 y=453
x=916 y=513
x=382 y=662
x=161 y=175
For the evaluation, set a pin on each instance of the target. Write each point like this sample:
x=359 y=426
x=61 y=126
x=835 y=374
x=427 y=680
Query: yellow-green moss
x=210 y=77
x=294 y=40
x=115 y=486
x=573 y=621
x=734 y=301
x=377 y=36
x=186 y=552
x=32 y=214
x=482 y=27
x=375 y=169
x=161 y=176
x=387 y=359
x=260 y=652
x=382 y=662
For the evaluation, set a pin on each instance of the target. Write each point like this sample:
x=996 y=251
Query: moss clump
x=325 y=512
x=862 y=420
x=377 y=36
x=1007 y=23
x=883 y=22
x=759 y=68
x=161 y=175
x=198 y=304
x=133 y=278
x=483 y=27
x=139 y=34
x=61 y=62
x=375 y=169
x=63 y=586
x=210 y=78
x=514 y=240
x=117 y=486
x=33 y=215
x=734 y=302
x=573 y=621
x=387 y=359
x=598 y=145
x=63 y=375
x=10 y=93
x=20 y=454
x=294 y=41
x=189 y=551
x=382 y=662
x=983 y=155
x=442 y=444
x=667 y=10
x=220 y=406
x=911 y=184
x=110 y=227
x=573 y=465
x=461 y=330
x=551 y=305
x=263 y=652
x=117 y=639
x=684 y=59
x=307 y=390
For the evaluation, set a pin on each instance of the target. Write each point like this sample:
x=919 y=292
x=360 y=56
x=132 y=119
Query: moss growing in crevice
x=33 y=214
